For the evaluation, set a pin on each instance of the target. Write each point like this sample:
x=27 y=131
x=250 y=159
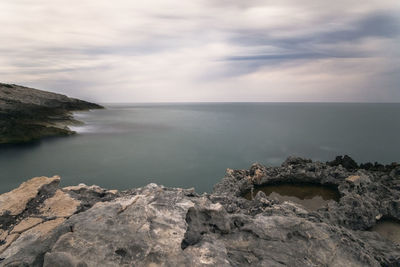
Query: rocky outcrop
x=349 y=164
x=30 y=214
x=365 y=195
x=158 y=226
x=27 y=114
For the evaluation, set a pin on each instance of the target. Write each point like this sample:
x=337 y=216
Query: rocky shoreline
x=28 y=114
x=42 y=224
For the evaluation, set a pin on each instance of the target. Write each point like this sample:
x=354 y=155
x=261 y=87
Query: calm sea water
x=191 y=145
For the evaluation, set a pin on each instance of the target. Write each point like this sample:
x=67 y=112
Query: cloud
x=348 y=38
x=204 y=50
x=294 y=56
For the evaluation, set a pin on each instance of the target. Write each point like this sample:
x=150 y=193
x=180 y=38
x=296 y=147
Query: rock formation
x=27 y=114
x=44 y=225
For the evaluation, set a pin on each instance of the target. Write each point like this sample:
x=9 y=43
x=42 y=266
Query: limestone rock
x=15 y=201
x=8 y=241
x=30 y=237
x=26 y=224
x=353 y=178
x=158 y=226
x=3 y=234
x=59 y=205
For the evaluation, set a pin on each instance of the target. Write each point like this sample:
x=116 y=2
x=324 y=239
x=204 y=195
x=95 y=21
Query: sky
x=204 y=50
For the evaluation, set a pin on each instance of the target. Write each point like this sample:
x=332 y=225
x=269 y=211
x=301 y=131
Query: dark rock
x=28 y=114
x=377 y=167
x=346 y=161
x=292 y=160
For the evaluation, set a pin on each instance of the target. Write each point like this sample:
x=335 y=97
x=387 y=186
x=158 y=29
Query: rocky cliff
x=42 y=224
x=27 y=114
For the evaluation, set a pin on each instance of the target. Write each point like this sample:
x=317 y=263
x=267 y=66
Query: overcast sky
x=204 y=50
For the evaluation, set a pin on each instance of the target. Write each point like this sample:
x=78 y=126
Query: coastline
x=28 y=114
x=43 y=224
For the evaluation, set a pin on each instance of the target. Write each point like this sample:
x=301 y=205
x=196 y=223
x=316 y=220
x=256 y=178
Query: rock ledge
x=42 y=224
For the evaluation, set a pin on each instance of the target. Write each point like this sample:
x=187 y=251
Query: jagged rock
x=138 y=230
x=31 y=236
x=346 y=161
x=158 y=226
x=30 y=213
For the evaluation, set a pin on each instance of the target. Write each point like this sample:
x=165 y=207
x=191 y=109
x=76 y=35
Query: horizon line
x=250 y=102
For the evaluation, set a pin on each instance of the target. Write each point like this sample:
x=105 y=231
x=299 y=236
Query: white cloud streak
x=204 y=50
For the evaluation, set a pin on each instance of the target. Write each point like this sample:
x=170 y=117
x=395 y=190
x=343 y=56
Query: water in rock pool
x=311 y=196
x=191 y=145
x=389 y=229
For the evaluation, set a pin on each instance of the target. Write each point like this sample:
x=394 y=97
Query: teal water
x=191 y=145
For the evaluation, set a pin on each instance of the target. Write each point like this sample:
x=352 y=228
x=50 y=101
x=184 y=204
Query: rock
x=15 y=201
x=353 y=178
x=80 y=187
x=31 y=237
x=158 y=226
x=26 y=224
x=113 y=191
x=62 y=259
x=292 y=160
x=31 y=212
x=3 y=234
x=346 y=161
x=141 y=229
x=59 y=205
x=90 y=195
x=28 y=114
x=8 y=241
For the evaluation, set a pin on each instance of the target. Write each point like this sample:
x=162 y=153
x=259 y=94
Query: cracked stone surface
x=26 y=224
x=157 y=226
x=59 y=205
x=15 y=201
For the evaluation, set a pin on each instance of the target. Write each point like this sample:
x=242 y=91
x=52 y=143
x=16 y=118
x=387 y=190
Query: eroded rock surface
x=30 y=213
x=15 y=202
x=157 y=226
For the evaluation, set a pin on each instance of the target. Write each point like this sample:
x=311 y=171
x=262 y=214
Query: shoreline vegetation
x=28 y=114
x=42 y=224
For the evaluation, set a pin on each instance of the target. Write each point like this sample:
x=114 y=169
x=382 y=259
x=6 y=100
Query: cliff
x=42 y=224
x=27 y=114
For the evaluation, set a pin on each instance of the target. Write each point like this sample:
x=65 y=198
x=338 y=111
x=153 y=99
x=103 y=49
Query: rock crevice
x=158 y=226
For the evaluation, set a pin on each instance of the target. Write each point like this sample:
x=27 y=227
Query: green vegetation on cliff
x=28 y=114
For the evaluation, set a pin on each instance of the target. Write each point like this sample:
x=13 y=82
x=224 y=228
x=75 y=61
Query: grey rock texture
x=365 y=195
x=27 y=114
x=157 y=226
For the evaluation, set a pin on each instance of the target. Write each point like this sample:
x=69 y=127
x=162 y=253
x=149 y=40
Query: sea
x=192 y=144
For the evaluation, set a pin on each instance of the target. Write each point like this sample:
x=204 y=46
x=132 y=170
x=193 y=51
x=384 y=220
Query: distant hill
x=28 y=114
